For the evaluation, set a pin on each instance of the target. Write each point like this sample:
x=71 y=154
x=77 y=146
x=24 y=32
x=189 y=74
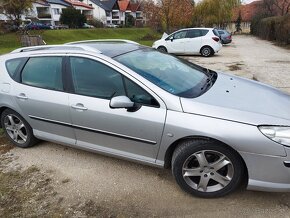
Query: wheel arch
x=170 y=150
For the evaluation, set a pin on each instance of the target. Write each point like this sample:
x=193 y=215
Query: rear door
x=175 y=43
x=193 y=41
x=40 y=94
x=133 y=134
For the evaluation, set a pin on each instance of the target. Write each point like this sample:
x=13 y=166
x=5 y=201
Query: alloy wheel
x=207 y=171
x=15 y=128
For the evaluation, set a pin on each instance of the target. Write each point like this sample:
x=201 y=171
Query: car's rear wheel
x=206 y=51
x=17 y=129
x=207 y=168
x=162 y=49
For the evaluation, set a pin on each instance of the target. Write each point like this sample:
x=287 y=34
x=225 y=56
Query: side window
x=43 y=72
x=194 y=33
x=139 y=95
x=216 y=32
x=95 y=79
x=204 y=32
x=221 y=32
x=180 y=35
x=12 y=65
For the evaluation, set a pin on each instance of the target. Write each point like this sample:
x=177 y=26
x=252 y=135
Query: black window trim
x=71 y=88
x=19 y=76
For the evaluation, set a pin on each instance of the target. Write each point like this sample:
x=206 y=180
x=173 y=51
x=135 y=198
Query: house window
x=108 y=14
x=56 y=11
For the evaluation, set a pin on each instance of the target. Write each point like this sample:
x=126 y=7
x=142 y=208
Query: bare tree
x=14 y=9
x=277 y=7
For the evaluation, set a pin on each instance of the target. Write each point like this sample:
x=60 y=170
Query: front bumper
x=268 y=173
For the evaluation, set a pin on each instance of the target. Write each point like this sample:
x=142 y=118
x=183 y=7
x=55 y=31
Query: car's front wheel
x=17 y=129
x=207 y=168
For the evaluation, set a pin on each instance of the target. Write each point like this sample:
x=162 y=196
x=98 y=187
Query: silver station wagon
x=116 y=97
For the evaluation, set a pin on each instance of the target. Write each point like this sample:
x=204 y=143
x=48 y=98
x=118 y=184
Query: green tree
x=213 y=12
x=130 y=21
x=73 y=18
x=238 y=22
x=14 y=9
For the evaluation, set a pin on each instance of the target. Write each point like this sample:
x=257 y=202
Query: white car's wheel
x=206 y=51
x=162 y=49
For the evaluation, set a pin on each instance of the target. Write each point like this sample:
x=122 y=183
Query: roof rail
x=102 y=40
x=56 y=47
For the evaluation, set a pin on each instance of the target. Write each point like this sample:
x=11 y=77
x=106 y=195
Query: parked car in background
x=38 y=26
x=215 y=131
x=226 y=37
x=204 y=41
x=87 y=26
x=112 y=26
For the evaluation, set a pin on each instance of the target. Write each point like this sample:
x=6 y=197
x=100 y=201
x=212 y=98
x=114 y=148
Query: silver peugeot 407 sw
x=215 y=131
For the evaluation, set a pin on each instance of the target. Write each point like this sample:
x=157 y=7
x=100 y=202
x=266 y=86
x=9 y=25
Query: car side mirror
x=121 y=102
x=171 y=38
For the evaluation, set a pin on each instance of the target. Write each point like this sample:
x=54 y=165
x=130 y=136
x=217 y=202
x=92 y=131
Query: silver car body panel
x=229 y=112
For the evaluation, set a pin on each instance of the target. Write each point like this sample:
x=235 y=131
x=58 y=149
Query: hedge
x=272 y=28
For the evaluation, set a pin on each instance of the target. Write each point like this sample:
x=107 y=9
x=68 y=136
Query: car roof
x=108 y=47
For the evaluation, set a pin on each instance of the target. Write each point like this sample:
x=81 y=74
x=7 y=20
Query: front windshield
x=168 y=72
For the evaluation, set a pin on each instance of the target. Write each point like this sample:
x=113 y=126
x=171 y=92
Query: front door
x=175 y=42
x=134 y=135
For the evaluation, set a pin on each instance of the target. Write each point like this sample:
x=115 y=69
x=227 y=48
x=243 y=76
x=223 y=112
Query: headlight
x=280 y=134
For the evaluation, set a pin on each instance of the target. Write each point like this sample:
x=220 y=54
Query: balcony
x=44 y=16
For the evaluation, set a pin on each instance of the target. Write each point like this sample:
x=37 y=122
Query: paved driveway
x=129 y=189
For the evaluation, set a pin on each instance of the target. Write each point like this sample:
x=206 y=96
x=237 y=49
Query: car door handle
x=22 y=96
x=79 y=107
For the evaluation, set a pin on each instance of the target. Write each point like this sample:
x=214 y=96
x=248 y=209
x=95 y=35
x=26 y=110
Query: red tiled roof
x=78 y=3
x=123 y=5
x=135 y=6
x=248 y=11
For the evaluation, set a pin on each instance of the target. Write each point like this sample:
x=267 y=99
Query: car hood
x=241 y=100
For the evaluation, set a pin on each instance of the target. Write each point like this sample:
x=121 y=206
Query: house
x=85 y=9
x=115 y=11
x=247 y=11
x=56 y=7
x=49 y=11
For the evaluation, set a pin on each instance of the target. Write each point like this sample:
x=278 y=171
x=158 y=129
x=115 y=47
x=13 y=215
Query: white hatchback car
x=204 y=41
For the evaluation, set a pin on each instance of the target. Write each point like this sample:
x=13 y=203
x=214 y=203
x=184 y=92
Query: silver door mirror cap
x=121 y=102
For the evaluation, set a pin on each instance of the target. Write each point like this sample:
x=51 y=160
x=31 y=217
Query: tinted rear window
x=12 y=65
x=216 y=32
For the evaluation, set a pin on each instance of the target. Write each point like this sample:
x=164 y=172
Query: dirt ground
x=50 y=180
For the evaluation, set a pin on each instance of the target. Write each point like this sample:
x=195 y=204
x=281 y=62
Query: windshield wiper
x=209 y=81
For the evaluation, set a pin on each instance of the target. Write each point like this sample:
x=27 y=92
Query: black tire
x=193 y=149
x=162 y=49
x=24 y=130
x=206 y=51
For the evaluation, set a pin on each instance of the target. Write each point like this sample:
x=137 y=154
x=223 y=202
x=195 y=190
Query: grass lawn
x=144 y=36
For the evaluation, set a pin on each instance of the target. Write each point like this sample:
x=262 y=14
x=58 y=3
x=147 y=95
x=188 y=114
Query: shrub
x=96 y=23
x=73 y=18
x=272 y=28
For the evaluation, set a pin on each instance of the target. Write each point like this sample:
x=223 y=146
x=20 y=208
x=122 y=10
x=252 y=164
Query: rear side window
x=43 y=72
x=215 y=32
x=204 y=32
x=193 y=33
x=12 y=65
